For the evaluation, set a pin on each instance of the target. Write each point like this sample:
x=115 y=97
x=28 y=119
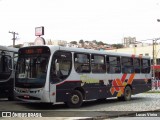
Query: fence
x=156 y=84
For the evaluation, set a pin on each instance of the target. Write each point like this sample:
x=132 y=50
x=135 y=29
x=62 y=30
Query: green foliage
x=81 y=41
x=74 y=42
x=117 y=45
x=100 y=43
x=18 y=46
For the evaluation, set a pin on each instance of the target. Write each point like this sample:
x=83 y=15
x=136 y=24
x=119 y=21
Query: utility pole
x=14 y=37
x=154 y=54
x=153 y=60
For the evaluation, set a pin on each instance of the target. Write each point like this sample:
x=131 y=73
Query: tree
x=18 y=46
x=87 y=41
x=81 y=41
x=118 y=45
x=94 y=41
x=74 y=42
x=100 y=43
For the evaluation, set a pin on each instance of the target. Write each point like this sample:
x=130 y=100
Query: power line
x=149 y=39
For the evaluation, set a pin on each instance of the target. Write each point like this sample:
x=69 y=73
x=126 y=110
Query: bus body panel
x=91 y=85
x=99 y=90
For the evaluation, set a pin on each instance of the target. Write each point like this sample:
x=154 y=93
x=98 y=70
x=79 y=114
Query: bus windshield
x=31 y=71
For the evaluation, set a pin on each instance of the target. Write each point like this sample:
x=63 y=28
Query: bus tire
x=120 y=98
x=127 y=93
x=11 y=97
x=75 y=99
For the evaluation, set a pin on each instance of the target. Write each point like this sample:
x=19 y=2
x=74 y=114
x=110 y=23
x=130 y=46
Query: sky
x=108 y=21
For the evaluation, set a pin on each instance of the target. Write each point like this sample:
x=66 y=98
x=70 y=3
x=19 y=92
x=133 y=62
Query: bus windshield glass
x=32 y=70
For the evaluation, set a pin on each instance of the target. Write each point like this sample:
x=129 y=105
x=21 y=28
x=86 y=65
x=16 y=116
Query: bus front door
x=54 y=79
x=52 y=92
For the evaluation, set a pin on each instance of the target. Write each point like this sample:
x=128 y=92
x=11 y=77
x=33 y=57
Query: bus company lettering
x=86 y=79
x=118 y=85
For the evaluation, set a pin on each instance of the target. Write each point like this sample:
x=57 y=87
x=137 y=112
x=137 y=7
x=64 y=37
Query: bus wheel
x=11 y=96
x=127 y=93
x=120 y=98
x=75 y=99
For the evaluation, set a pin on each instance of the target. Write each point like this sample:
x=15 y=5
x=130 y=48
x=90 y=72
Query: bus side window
x=145 y=63
x=137 y=65
x=113 y=64
x=127 y=65
x=62 y=60
x=82 y=62
x=98 y=64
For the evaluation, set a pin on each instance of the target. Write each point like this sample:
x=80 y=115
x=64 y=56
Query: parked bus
x=7 y=73
x=51 y=74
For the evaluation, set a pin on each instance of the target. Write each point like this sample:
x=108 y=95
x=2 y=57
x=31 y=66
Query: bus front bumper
x=32 y=95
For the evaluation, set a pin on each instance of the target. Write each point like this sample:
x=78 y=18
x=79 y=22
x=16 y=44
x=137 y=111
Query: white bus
x=7 y=73
x=51 y=74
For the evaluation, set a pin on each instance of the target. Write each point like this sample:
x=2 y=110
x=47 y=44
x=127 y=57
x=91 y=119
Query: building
x=56 y=42
x=128 y=40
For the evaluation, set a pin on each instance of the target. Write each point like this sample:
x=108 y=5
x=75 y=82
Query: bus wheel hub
x=75 y=99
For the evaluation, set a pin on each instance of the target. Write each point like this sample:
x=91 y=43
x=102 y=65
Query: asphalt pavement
x=141 y=104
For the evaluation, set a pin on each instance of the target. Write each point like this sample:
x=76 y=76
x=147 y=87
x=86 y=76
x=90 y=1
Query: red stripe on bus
x=130 y=80
x=68 y=81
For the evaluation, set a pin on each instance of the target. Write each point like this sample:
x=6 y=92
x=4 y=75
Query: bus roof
x=53 y=47
x=93 y=51
x=9 y=49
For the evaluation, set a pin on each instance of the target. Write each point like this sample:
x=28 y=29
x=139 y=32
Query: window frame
x=137 y=66
x=142 y=66
x=56 y=78
x=113 y=68
x=98 y=65
x=127 y=68
x=77 y=68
